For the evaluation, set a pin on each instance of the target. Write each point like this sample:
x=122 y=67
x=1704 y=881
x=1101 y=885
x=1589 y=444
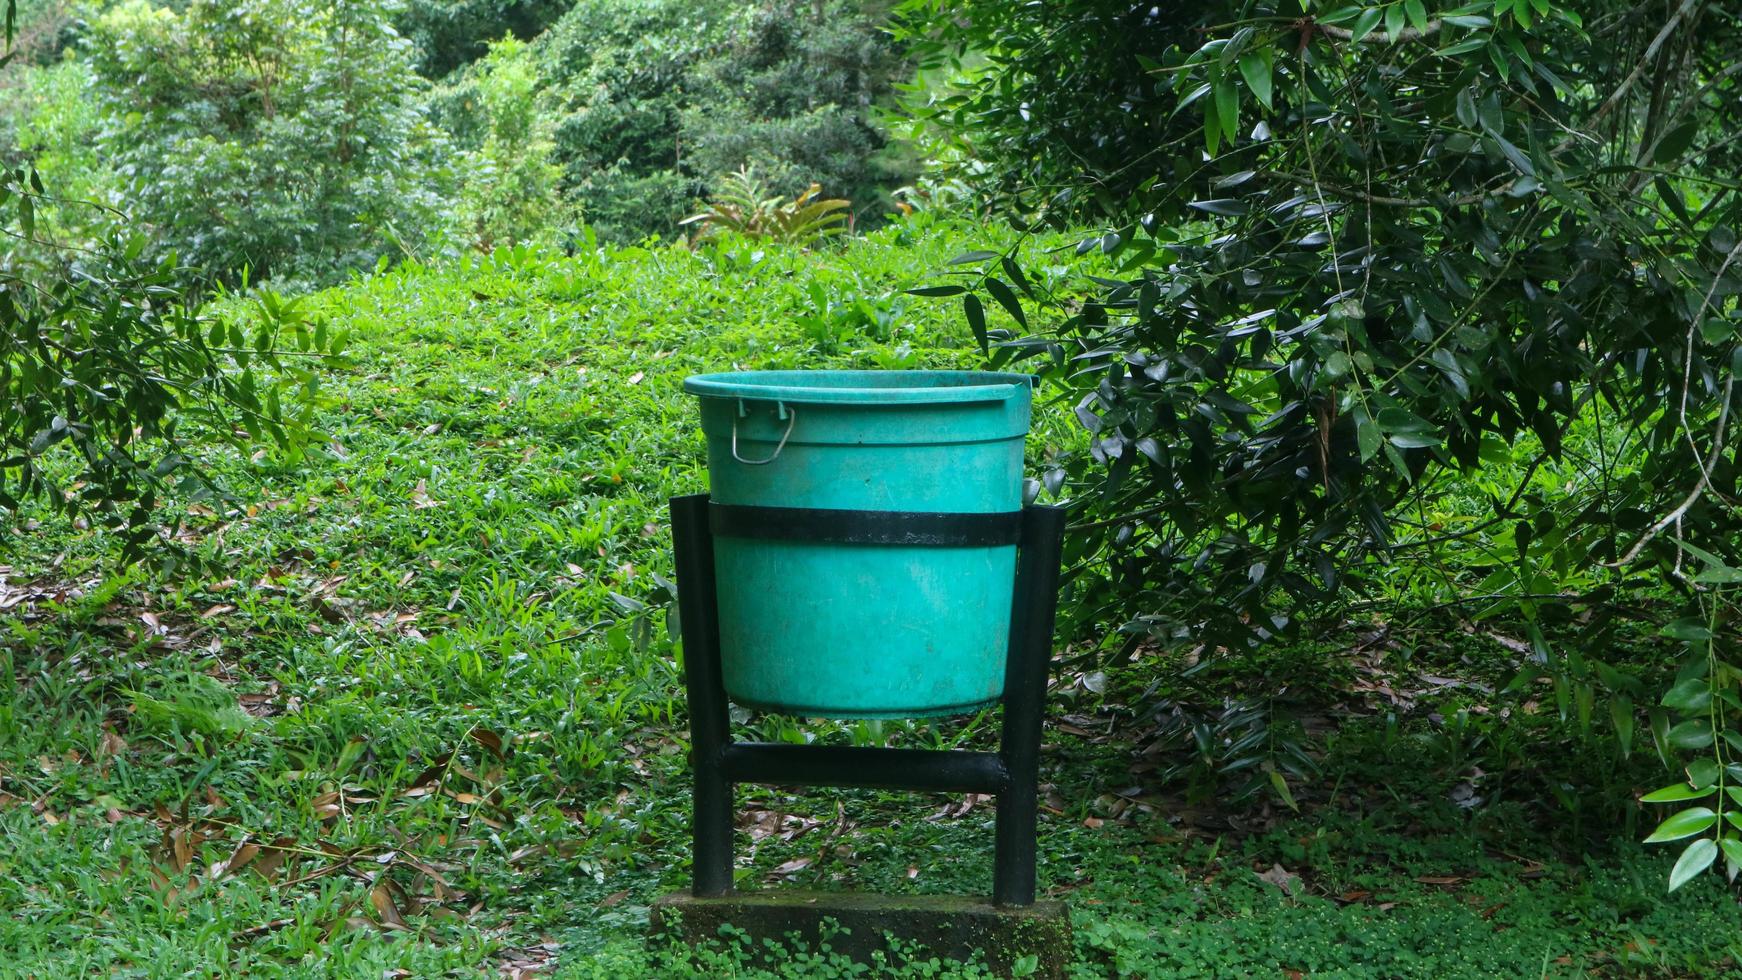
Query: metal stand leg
x=1012 y=773
x=711 y=821
x=1025 y=673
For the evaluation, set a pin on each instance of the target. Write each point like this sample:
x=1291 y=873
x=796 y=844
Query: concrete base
x=946 y=925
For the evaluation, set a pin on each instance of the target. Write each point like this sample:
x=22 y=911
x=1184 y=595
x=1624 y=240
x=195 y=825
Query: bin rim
x=857 y=387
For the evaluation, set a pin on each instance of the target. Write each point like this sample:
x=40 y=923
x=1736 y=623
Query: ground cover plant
x=428 y=718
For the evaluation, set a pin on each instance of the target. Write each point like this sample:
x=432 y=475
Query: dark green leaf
x=1703 y=773
x=1227 y=107
x=1255 y=69
x=1417 y=14
x=1514 y=154
x=976 y=315
x=1014 y=271
x=1365 y=23
x=1393 y=20
x=1687 y=629
x=1694 y=733
x=1230 y=207
x=1007 y=299
x=967 y=258
x=1463 y=47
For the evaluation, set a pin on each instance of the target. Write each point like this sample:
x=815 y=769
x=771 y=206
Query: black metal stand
x=1010 y=774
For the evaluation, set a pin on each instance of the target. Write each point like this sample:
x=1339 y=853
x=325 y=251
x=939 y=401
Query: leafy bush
x=509 y=185
x=1054 y=105
x=113 y=386
x=286 y=137
x=56 y=128
x=1362 y=248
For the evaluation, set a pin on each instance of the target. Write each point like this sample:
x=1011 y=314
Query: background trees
x=303 y=140
x=656 y=102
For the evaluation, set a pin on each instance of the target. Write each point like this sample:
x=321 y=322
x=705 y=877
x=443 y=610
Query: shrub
x=114 y=387
x=1361 y=247
x=509 y=190
x=1059 y=101
x=283 y=136
x=55 y=127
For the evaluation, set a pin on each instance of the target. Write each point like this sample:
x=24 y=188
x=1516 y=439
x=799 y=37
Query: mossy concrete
x=946 y=925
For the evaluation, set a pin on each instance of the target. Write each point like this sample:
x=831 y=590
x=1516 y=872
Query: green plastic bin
x=855 y=630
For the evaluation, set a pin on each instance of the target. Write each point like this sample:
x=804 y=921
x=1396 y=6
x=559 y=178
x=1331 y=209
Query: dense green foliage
x=658 y=100
x=793 y=97
x=113 y=389
x=449 y=34
x=509 y=193
x=1056 y=106
x=299 y=141
x=475 y=556
x=1368 y=249
x=282 y=137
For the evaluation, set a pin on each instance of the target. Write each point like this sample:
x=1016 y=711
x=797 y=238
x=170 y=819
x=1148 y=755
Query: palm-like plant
x=743 y=206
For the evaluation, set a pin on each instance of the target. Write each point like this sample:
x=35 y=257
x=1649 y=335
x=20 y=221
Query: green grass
x=429 y=719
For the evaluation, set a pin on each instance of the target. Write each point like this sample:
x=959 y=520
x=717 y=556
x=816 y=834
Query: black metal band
x=865 y=526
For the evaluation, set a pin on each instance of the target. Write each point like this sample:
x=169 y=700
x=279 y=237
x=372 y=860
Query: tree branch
x=1379 y=37
x=1711 y=462
x=1645 y=61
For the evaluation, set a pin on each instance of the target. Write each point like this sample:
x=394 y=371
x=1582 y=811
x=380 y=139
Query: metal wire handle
x=791 y=417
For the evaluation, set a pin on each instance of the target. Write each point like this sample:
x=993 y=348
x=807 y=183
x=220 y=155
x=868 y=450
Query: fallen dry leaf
x=488 y=739
x=245 y=853
x=420 y=498
x=381 y=896
x=264 y=928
